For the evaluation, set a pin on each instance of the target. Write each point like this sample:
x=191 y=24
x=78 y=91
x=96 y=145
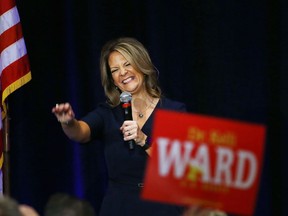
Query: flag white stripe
x=9 y=19
x=12 y=54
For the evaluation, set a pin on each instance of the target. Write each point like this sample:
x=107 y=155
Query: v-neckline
x=150 y=117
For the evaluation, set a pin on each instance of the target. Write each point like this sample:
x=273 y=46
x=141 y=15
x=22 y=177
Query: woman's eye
x=127 y=64
x=113 y=71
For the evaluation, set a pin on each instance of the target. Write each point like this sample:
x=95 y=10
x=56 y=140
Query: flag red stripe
x=14 y=71
x=6 y=5
x=18 y=72
x=10 y=36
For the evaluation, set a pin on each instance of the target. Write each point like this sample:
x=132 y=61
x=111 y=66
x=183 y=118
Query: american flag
x=14 y=63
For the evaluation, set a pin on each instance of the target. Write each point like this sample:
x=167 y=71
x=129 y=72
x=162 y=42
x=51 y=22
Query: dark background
x=222 y=58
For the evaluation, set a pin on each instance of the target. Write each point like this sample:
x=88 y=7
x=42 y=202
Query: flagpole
x=13 y=76
x=6 y=154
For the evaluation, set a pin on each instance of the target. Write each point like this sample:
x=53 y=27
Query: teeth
x=127 y=80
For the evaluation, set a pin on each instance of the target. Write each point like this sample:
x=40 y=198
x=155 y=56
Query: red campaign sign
x=207 y=161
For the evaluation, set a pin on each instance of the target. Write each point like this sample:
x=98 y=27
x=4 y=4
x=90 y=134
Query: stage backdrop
x=222 y=58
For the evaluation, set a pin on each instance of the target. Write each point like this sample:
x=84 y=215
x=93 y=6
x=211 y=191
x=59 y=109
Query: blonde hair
x=138 y=56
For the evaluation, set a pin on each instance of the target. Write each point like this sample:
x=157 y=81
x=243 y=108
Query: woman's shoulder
x=102 y=111
x=100 y=108
x=103 y=106
x=167 y=103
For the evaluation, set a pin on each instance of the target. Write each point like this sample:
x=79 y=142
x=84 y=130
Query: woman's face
x=125 y=77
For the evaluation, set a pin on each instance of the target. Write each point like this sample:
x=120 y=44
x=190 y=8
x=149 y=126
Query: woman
x=125 y=67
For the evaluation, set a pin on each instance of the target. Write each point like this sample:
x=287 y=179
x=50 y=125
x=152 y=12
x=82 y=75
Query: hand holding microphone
x=125 y=99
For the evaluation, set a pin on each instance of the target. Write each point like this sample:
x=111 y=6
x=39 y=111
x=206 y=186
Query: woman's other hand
x=63 y=112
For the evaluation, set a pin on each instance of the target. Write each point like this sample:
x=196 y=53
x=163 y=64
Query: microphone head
x=125 y=97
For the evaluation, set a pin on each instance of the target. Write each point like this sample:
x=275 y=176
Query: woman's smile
x=124 y=75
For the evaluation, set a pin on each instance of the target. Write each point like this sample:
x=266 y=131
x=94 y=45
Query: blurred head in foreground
x=66 y=205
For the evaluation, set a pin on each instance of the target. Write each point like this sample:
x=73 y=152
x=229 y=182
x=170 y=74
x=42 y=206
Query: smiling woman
x=125 y=67
x=134 y=58
x=124 y=76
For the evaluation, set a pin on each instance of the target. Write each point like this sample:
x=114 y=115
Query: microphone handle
x=128 y=116
x=128 y=113
x=131 y=144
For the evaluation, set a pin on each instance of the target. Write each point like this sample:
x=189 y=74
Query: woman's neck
x=142 y=106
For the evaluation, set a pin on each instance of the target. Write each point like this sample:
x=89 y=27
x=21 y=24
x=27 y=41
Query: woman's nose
x=123 y=71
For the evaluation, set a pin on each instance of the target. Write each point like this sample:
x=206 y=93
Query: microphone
x=125 y=99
